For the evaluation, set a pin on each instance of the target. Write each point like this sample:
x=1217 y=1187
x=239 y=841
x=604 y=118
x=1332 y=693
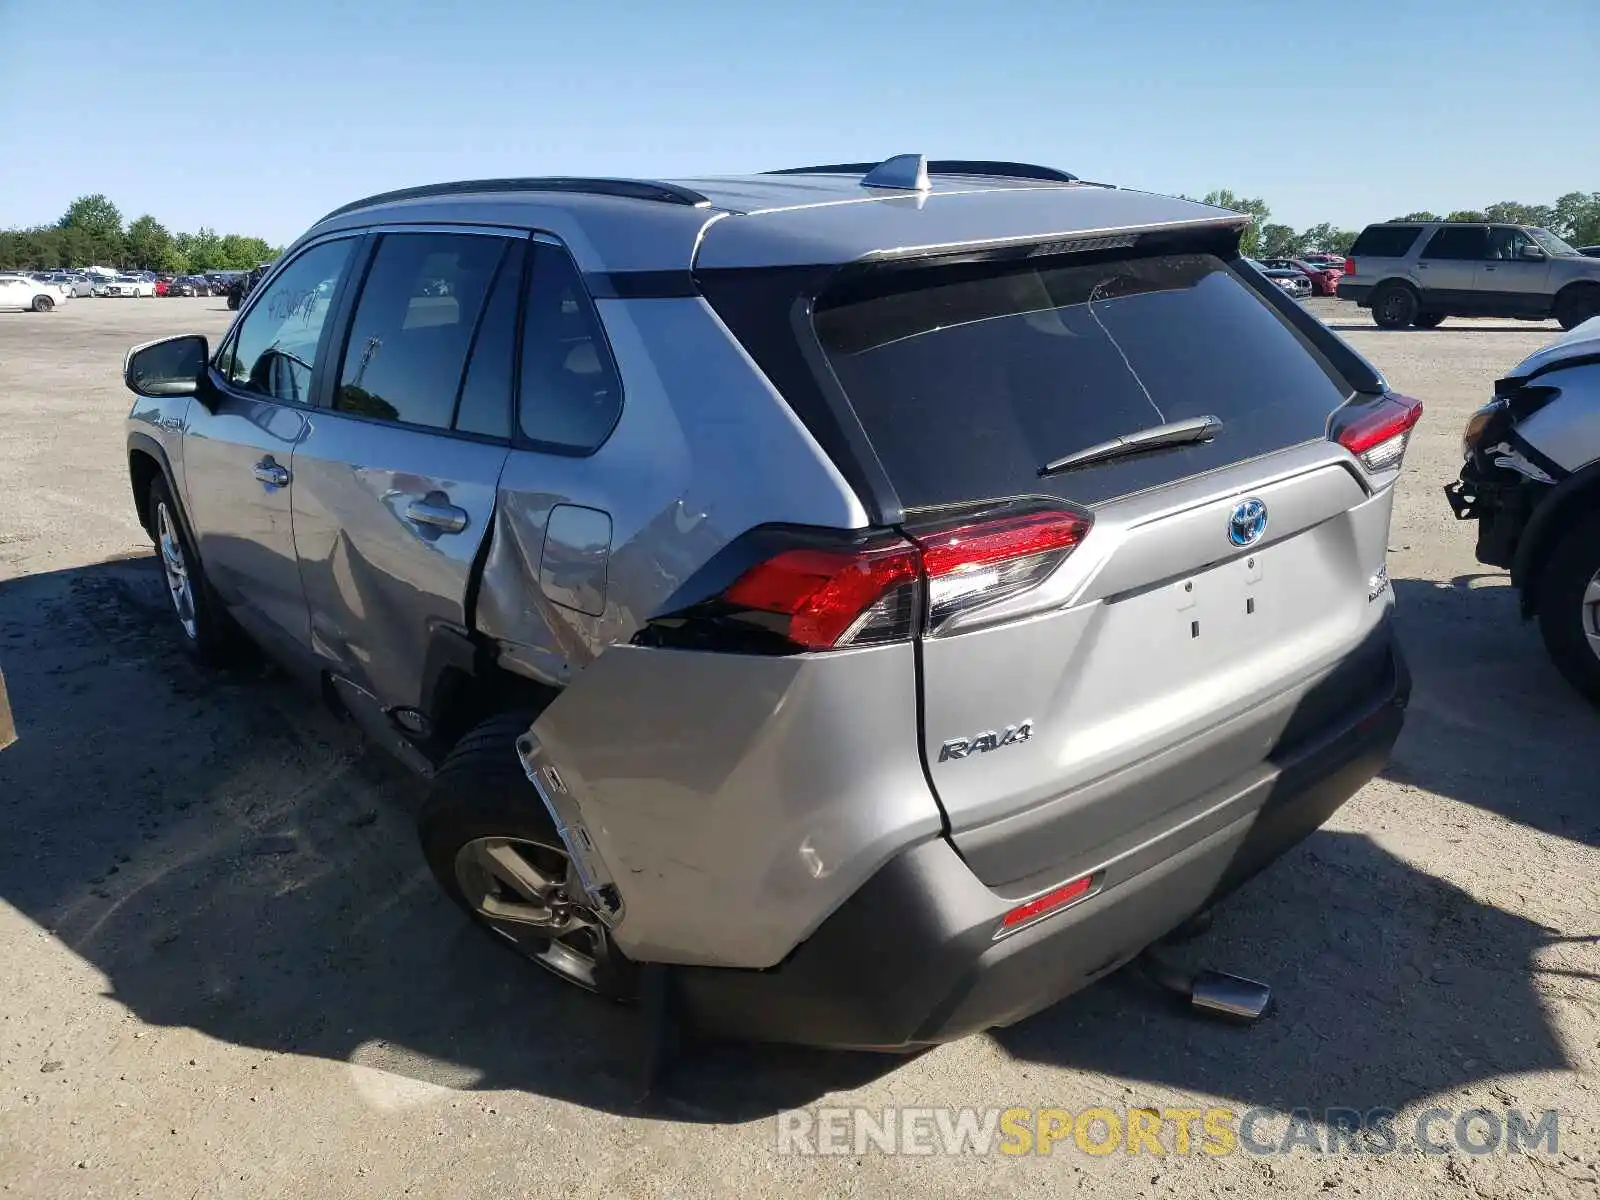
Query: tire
x=1569 y=607
x=1394 y=306
x=208 y=633
x=1576 y=305
x=43 y=304
x=481 y=798
x=1429 y=320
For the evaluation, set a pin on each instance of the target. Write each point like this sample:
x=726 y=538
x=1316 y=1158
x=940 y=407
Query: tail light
x=835 y=598
x=1377 y=432
x=976 y=564
x=825 y=598
x=1349 y=266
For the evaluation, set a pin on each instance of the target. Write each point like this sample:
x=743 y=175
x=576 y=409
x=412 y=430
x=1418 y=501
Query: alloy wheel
x=528 y=893
x=1591 y=614
x=176 y=568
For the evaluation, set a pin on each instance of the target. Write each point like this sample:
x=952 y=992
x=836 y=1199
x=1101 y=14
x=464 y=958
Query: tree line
x=91 y=233
x=1575 y=217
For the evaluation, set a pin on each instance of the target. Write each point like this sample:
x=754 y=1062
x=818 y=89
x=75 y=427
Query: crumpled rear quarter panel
x=738 y=799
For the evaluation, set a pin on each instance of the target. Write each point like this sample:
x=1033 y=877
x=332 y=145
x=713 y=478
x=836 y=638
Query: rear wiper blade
x=1158 y=437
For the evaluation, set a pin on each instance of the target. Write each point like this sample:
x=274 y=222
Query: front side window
x=570 y=395
x=275 y=351
x=408 y=340
x=1460 y=242
x=1507 y=241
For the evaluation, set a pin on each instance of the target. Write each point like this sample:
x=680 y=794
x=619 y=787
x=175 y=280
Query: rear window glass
x=1385 y=241
x=969 y=379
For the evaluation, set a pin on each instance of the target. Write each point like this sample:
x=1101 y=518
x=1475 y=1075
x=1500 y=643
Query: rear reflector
x=1040 y=906
x=1377 y=433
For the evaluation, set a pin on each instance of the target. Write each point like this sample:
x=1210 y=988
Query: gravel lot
x=223 y=972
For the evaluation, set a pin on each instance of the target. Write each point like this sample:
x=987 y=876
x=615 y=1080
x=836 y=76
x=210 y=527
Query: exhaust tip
x=1231 y=997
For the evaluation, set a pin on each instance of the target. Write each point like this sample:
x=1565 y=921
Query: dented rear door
x=395 y=483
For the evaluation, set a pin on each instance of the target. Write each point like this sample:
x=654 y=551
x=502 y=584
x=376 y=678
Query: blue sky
x=258 y=117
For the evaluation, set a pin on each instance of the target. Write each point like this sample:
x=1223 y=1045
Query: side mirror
x=1530 y=253
x=171 y=367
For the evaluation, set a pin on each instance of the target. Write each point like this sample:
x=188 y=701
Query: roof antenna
x=903 y=172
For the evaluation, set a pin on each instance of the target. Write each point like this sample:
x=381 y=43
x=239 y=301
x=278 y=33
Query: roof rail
x=948 y=166
x=627 y=189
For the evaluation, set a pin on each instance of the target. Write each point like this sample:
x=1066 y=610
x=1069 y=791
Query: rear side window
x=1385 y=241
x=969 y=379
x=1458 y=242
x=570 y=395
x=408 y=341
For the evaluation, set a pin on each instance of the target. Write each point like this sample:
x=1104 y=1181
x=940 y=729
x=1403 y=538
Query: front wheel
x=1569 y=608
x=494 y=849
x=43 y=304
x=1394 y=306
x=208 y=631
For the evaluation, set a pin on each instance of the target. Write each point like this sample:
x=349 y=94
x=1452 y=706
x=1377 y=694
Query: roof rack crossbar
x=948 y=166
x=627 y=189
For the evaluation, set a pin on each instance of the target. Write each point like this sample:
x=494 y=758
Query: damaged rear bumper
x=912 y=958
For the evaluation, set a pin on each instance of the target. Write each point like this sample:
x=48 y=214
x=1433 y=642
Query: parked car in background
x=130 y=285
x=25 y=294
x=881 y=712
x=1419 y=273
x=189 y=285
x=1531 y=481
x=245 y=284
x=1290 y=279
x=1324 y=279
x=161 y=286
x=78 y=283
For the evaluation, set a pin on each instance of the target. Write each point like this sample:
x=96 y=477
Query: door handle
x=437 y=514
x=270 y=473
x=1487 y=268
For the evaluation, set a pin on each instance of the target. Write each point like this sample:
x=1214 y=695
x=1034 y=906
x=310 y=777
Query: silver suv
x=1417 y=274
x=891 y=596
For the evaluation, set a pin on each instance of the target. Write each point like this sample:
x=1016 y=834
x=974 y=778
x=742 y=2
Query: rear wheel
x=1576 y=305
x=495 y=851
x=1569 y=607
x=43 y=304
x=1394 y=306
x=1428 y=320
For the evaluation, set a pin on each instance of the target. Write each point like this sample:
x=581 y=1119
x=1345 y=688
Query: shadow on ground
x=1491 y=722
x=232 y=859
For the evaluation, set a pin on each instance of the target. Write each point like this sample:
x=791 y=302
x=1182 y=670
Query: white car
x=25 y=294
x=130 y=285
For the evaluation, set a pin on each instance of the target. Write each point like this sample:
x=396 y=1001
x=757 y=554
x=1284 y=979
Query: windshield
x=1552 y=245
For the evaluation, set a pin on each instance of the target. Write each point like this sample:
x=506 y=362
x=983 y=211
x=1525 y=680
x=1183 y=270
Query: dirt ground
x=223 y=972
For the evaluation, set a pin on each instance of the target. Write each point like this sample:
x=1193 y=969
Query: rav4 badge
x=982 y=743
